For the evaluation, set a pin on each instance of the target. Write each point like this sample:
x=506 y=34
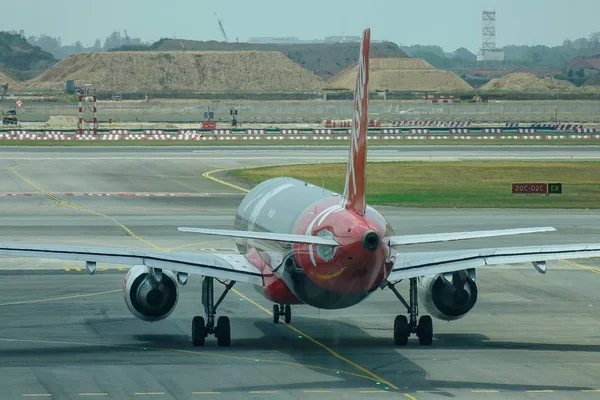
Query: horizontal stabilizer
x=448 y=237
x=277 y=237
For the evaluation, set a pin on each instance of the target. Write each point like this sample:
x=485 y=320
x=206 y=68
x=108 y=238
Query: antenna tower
x=488 y=22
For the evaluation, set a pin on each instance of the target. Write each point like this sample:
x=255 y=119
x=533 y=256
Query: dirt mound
x=526 y=82
x=11 y=82
x=408 y=74
x=180 y=71
x=325 y=59
x=60 y=122
x=593 y=81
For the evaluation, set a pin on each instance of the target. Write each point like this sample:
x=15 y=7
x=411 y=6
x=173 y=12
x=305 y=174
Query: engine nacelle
x=147 y=299
x=450 y=296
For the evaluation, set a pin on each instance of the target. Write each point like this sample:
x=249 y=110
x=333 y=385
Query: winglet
x=354 y=190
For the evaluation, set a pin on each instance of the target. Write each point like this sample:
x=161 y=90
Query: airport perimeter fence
x=318 y=111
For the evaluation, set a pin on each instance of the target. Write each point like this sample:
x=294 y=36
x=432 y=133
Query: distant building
x=342 y=39
x=490 y=55
x=278 y=40
x=295 y=40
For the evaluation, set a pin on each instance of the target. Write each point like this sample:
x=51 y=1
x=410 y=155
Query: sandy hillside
x=410 y=74
x=12 y=84
x=199 y=71
x=526 y=82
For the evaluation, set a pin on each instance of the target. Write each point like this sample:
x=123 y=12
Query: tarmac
x=67 y=335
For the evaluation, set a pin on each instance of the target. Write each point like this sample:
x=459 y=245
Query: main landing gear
x=403 y=328
x=200 y=329
x=282 y=310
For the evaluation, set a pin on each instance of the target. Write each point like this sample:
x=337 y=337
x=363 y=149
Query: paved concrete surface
x=70 y=335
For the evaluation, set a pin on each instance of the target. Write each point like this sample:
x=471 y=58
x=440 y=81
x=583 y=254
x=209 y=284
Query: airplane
x=302 y=244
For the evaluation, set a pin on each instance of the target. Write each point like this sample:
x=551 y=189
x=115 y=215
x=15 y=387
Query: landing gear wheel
x=275 y=313
x=401 y=330
x=425 y=330
x=223 y=331
x=287 y=314
x=198 y=331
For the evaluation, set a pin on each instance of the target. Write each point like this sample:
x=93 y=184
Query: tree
x=580 y=73
x=78 y=46
x=594 y=39
x=113 y=41
x=570 y=73
x=97 y=45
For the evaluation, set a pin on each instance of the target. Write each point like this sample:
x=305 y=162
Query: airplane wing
x=413 y=265
x=224 y=266
x=278 y=237
x=452 y=236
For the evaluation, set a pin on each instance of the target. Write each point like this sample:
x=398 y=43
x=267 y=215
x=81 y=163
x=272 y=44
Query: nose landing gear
x=282 y=310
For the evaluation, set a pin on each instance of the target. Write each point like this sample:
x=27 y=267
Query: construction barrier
x=209 y=125
x=201 y=137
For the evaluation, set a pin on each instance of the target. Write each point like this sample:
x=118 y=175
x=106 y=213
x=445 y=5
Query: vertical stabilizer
x=354 y=190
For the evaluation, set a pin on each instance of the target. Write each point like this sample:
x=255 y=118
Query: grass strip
x=459 y=184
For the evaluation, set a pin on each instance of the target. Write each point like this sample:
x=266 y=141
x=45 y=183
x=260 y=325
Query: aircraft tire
x=401 y=331
x=198 y=331
x=275 y=313
x=287 y=314
x=425 y=330
x=223 y=331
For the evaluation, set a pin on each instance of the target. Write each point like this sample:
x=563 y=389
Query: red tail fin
x=354 y=191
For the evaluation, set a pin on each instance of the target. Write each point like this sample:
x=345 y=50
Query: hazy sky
x=448 y=23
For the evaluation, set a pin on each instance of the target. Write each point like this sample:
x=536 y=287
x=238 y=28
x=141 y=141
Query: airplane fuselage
x=318 y=275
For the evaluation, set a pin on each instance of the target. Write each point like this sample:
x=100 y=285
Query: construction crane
x=126 y=36
x=220 y=21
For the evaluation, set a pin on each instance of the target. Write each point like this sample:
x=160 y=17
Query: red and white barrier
x=333 y=123
x=386 y=134
x=567 y=127
x=493 y=130
x=255 y=131
x=221 y=131
x=433 y=124
x=322 y=131
x=585 y=130
x=289 y=131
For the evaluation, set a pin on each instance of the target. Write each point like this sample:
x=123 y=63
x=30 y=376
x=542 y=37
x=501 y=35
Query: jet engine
x=448 y=296
x=150 y=296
